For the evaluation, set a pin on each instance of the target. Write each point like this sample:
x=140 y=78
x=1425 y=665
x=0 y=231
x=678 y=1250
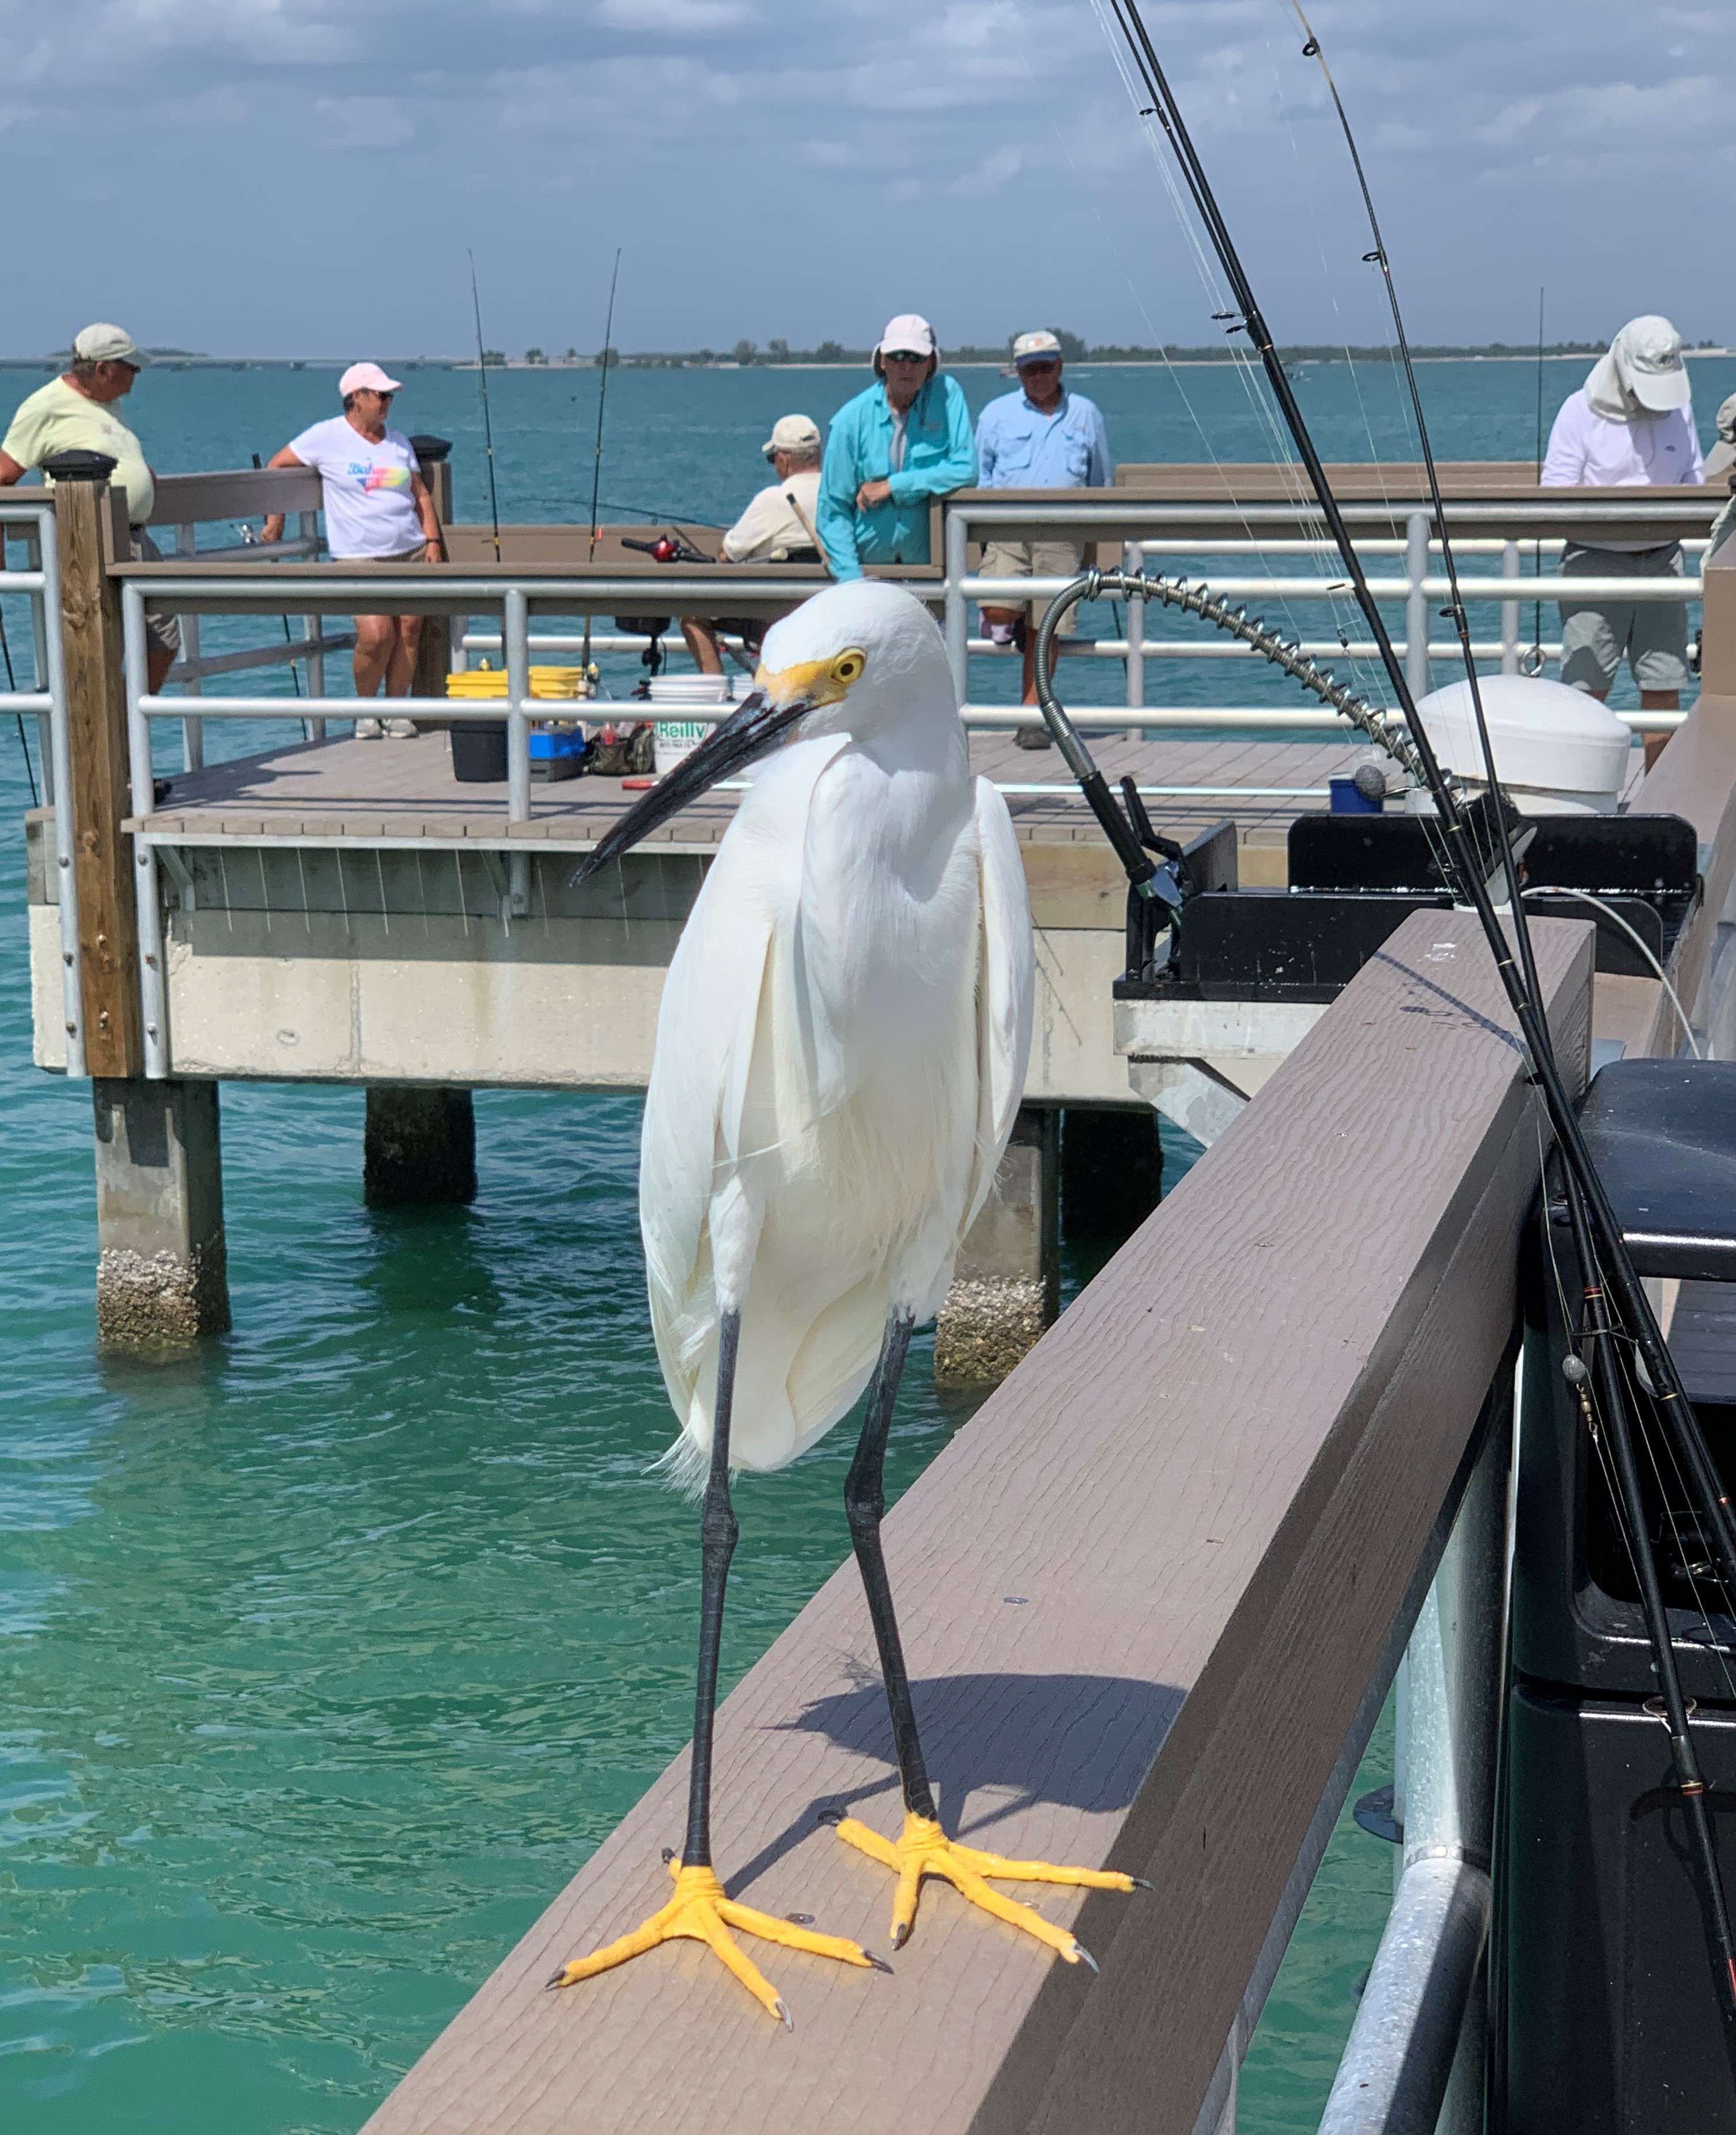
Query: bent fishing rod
x=607 y=360
x=1674 y=1410
x=1587 y=1197
x=482 y=367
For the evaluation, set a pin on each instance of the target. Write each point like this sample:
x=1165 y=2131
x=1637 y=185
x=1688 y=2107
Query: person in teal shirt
x=890 y=451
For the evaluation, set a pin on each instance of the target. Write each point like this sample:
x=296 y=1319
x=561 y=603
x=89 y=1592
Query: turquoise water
x=328 y=1658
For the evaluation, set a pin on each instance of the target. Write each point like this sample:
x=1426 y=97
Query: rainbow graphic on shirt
x=386 y=478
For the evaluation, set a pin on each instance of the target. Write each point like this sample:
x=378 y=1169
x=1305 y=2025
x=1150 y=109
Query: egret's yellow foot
x=700 y=1912
x=924 y=1849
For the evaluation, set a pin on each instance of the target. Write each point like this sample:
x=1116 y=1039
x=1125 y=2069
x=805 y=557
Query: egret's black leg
x=700 y=1911
x=717 y=1546
x=923 y=1848
x=864 y=1507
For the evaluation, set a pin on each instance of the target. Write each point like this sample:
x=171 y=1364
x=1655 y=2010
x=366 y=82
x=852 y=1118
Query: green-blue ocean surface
x=326 y=1659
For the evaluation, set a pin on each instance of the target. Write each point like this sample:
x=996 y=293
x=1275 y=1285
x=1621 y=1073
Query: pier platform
x=346 y=911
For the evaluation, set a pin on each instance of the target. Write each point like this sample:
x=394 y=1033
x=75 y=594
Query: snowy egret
x=840 y=1056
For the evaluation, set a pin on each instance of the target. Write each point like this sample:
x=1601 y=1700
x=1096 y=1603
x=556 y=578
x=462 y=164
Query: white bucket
x=671 y=739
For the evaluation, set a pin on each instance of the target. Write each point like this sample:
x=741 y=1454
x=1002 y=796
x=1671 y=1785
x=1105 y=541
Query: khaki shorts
x=1030 y=560
x=1651 y=635
x=161 y=632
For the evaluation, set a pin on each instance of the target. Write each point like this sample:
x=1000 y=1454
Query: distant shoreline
x=1191 y=361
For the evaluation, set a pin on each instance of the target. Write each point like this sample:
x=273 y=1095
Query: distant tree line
x=748 y=354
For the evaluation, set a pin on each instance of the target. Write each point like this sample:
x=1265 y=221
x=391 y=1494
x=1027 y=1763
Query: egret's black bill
x=745 y=736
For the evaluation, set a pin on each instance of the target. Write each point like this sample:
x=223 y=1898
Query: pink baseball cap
x=365 y=377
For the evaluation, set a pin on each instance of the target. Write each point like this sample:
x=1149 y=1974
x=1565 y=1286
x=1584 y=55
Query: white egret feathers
x=843 y=1042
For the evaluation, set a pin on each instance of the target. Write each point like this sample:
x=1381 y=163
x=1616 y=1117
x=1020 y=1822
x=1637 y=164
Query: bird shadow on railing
x=1074 y=1741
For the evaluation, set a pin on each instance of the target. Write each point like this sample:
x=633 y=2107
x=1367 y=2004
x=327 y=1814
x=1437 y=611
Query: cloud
x=675 y=14
x=813 y=168
x=364 y=121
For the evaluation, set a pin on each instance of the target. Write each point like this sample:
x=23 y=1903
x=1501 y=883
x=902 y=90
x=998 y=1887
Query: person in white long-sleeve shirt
x=1630 y=425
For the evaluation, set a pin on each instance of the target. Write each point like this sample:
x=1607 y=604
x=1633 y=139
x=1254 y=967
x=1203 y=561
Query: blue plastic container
x=1347 y=801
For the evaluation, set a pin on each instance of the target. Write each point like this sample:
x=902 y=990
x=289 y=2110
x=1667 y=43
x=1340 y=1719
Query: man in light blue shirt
x=1042 y=437
x=891 y=452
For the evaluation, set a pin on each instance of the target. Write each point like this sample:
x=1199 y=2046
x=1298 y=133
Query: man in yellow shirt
x=75 y=412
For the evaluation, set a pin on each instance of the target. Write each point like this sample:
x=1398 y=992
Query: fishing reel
x=672 y=548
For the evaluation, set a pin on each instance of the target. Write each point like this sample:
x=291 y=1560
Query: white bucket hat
x=1642 y=374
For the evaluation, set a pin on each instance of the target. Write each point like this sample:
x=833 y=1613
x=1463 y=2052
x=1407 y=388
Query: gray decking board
x=406 y=789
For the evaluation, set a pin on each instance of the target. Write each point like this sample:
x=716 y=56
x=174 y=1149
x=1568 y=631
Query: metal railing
x=1080 y=515
x=32 y=520
x=192 y=668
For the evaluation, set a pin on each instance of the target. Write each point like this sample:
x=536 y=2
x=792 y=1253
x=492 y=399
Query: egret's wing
x=708 y=1024
x=1006 y=983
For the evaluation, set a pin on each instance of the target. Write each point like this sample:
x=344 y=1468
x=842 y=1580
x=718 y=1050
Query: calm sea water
x=326 y=1659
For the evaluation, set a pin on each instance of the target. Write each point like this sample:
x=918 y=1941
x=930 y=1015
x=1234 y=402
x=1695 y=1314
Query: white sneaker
x=400 y=729
x=367 y=729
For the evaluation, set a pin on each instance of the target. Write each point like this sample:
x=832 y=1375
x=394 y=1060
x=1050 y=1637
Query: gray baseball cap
x=103 y=343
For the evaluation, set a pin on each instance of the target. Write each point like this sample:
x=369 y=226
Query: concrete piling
x=162 y=1272
x=1006 y=1286
x=419 y=1145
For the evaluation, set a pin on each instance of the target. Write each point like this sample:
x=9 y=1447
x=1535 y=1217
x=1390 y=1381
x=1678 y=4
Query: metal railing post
x=957 y=609
x=1415 y=2058
x=517 y=629
x=312 y=626
x=31 y=535
x=192 y=729
x=1132 y=559
x=153 y=996
x=51 y=666
x=1509 y=612
x=1416 y=603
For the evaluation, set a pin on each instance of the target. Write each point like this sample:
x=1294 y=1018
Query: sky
x=305 y=176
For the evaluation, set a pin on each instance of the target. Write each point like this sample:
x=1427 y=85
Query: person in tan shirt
x=777 y=527
x=76 y=412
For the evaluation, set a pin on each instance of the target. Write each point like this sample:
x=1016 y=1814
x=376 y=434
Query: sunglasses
x=901 y=356
x=1049 y=363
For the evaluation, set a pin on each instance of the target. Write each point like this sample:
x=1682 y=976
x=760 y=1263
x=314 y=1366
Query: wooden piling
x=90 y=522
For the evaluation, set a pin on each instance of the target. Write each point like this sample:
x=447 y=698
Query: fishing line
x=607 y=362
x=1588 y=1204
x=482 y=371
x=1640 y=1323
x=1535 y=659
x=1590 y=1211
x=11 y=684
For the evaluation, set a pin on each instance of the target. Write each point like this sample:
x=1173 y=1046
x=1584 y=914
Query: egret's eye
x=848 y=665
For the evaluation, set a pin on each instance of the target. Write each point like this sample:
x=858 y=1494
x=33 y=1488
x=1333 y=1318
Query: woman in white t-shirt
x=378 y=510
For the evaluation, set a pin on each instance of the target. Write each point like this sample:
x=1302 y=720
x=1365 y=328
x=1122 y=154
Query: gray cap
x=103 y=343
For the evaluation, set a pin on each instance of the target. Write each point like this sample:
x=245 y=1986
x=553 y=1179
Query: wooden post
x=90 y=523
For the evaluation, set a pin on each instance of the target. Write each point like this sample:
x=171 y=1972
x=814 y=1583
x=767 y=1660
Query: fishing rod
x=1533 y=661
x=248 y=539
x=607 y=360
x=481 y=367
x=1518 y=976
x=1675 y=1411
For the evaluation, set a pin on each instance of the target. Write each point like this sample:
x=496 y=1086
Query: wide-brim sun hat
x=1648 y=353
